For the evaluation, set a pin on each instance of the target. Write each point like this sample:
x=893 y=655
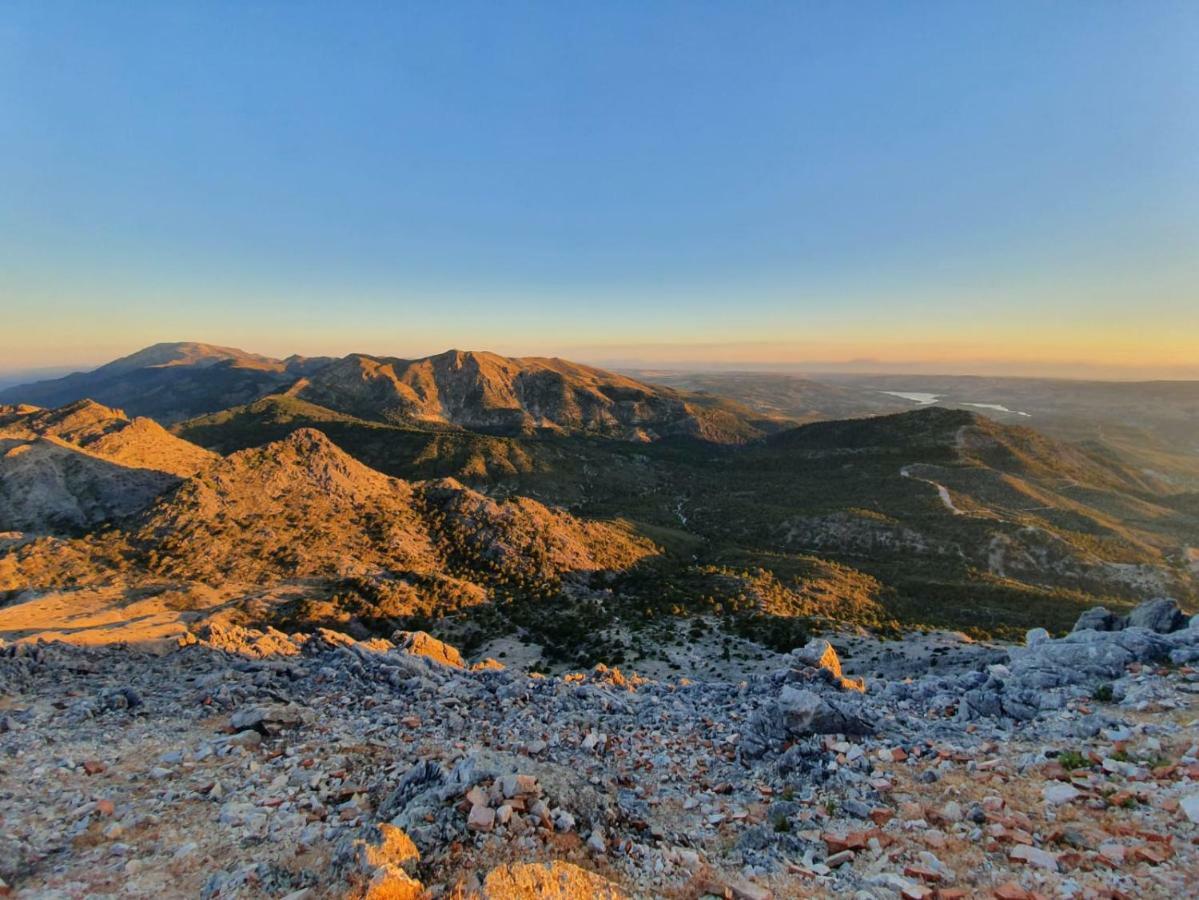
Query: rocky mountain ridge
x=72 y=468
x=300 y=512
x=458 y=389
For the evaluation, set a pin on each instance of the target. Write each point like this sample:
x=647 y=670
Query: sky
x=998 y=187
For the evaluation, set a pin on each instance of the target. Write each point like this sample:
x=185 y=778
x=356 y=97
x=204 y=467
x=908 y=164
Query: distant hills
x=472 y=390
x=169 y=382
x=1152 y=425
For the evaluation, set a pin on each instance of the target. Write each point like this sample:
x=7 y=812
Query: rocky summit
x=253 y=763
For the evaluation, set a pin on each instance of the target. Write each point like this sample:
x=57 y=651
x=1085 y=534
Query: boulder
x=1085 y=657
x=799 y=712
x=421 y=643
x=386 y=845
x=1161 y=615
x=807 y=712
x=820 y=654
x=1097 y=618
x=391 y=883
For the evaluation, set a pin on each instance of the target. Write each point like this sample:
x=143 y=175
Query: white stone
x=1034 y=857
x=1190 y=806
x=1059 y=792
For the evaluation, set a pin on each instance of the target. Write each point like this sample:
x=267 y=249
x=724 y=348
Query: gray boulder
x=806 y=712
x=1035 y=636
x=1097 y=618
x=1161 y=615
x=1185 y=644
x=1085 y=657
x=799 y=712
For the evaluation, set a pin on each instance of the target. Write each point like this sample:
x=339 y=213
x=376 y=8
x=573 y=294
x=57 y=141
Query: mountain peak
x=483 y=391
x=188 y=353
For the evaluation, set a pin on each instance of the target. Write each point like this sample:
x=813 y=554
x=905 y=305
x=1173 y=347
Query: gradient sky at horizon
x=999 y=187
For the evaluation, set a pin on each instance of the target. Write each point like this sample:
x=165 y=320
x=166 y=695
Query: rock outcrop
x=547 y=881
x=1160 y=615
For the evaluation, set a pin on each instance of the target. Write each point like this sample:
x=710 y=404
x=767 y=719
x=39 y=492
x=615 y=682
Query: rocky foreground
x=257 y=764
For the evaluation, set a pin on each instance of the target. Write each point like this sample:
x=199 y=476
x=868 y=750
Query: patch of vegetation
x=1072 y=759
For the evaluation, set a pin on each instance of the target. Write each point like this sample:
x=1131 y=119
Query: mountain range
x=466 y=491
x=473 y=390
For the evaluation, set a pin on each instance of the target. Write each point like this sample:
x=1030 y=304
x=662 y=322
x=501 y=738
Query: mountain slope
x=47 y=485
x=106 y=432
x=947 y=496
x=170 y=382
x=496 y=394
x=302 y=508
x=68 y=469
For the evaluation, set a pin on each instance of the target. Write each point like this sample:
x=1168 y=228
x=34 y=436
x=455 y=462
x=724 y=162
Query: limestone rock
x=1097 y=618
x=547 y=881
x=820 y=654
x=1161 y=615
x=420 y=643
x=387 y=845
x=392 y=883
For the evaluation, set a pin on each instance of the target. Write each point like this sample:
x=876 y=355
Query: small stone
x=1150 y=854
x=839 y=859
x=481 y=818
x=881 y=816
x=247 y=739
x=1190 y=806
x=1112 y=854
x=1057 y=793
x=1011 y=891
x=922 y=873
x=747 y=890
x=1033 y=856
x=247 y=718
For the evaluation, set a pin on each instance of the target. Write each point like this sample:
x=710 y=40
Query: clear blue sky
x=991 y=184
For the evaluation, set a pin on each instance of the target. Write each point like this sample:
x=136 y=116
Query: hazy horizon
x=721 y=358
x=1005 y=189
